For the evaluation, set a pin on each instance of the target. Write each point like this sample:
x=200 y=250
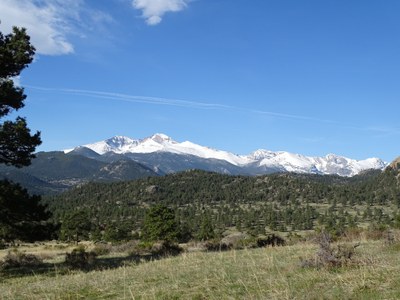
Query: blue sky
x=306 y=76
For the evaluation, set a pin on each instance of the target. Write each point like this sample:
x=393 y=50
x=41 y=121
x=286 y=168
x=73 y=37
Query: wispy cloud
x=50 y=22
x=153 y=10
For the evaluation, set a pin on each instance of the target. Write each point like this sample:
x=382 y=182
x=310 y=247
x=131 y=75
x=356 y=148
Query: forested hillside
x=54 y=172
x=278 y=202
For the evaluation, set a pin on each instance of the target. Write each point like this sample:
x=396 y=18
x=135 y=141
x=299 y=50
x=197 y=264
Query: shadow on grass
x=104 y=263
x=62 y=268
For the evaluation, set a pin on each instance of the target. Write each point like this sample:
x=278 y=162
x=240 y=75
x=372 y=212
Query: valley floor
x=264 y=273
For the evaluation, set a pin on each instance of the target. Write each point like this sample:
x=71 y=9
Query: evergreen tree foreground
x=21 y=215
x=160 y=224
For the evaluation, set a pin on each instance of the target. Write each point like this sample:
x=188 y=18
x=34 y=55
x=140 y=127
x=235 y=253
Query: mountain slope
x=56 y=171
x=167 y=163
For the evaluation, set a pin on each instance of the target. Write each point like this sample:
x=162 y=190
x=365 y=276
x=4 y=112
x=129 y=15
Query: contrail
x=136 y=99
x=171 y=102
x=208 y=106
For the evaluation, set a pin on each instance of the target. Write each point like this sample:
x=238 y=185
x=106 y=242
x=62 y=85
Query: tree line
x=257 y=205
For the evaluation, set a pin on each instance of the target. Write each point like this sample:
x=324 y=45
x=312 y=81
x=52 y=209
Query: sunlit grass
x=265 y=273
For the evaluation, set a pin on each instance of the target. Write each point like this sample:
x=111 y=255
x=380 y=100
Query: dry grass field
x=263 y=273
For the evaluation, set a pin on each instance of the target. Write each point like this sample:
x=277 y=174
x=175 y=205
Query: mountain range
x=256 y=163
x=122 y=158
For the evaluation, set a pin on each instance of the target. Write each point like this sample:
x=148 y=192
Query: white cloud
x=43 y=21
x=50 y=23
x=153 y=10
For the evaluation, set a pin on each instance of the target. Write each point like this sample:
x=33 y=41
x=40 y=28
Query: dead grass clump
x=352 y=234
x=102 y=249
x=57 y=246
x=125 y=247
x=237 y=240
x=165 y=249
x=156 y=249
x=375 y=234
x=329 y=256
x=46 y=256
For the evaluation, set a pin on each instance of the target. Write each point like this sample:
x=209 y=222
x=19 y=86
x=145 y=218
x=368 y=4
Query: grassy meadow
x=262 y=273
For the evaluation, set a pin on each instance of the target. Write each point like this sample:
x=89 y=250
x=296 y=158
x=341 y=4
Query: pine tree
x=206 y=231
x=76 y=226
x=160 y=224
x=16 y=142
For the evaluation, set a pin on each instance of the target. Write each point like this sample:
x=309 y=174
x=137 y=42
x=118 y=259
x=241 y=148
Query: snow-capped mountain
x=329 y=164
x=117 y=144
x=162 y=143
x=258 y=162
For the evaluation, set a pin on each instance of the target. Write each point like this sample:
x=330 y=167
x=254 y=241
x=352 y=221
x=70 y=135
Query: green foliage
x=206 y=231
x=16 y=52
x=16 y=142
x=75 y=226
x=116 y=232
x=160 y=224
x=21 y=216
x=255 y=205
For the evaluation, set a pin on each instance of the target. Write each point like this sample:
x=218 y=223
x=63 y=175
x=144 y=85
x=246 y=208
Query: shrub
x=156 y=249
x=17 y=259
x=240 y=240
x=216 y=245
x=3 y=245
x=79 y=258
x=271 y=240
x=328 y=256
